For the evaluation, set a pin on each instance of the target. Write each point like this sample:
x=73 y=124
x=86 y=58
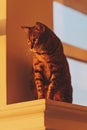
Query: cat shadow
x=19 y=81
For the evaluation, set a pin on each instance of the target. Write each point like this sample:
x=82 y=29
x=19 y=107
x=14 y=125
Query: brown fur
x=51 y=71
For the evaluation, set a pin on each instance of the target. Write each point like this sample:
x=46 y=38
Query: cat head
x=35 y=34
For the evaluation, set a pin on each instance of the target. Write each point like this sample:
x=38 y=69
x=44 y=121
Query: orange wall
x=19 y=66
x=2 y=53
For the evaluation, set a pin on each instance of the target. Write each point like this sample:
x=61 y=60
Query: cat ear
x=26 y=29
x=40 y=27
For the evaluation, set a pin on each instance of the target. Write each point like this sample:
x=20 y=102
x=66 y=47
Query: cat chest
x=47 y=71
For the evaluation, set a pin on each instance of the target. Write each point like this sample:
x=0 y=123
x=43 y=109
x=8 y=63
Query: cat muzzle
x=34 y=44
x=29 y=44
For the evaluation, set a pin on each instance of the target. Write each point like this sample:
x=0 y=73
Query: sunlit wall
x=71 y=26
x=2 y=52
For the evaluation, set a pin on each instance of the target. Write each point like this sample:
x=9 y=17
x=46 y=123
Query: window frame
x=72 y=51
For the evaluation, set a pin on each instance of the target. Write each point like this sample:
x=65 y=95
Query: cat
x=51 y=70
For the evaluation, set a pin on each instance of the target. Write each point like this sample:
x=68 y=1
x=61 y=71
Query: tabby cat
x=51 y=71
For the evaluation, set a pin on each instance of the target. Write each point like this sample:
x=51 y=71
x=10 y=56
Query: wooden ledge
x=43 y=115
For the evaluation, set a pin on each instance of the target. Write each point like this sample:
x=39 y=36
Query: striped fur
x=51 y=71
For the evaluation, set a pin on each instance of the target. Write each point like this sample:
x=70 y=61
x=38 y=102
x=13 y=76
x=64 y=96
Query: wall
x=19 y=58
x=2 y=52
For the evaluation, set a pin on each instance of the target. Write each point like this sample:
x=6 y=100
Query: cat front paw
x=40 y=91
x=49 y=96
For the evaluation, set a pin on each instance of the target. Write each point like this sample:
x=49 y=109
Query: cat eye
x=28 y=41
